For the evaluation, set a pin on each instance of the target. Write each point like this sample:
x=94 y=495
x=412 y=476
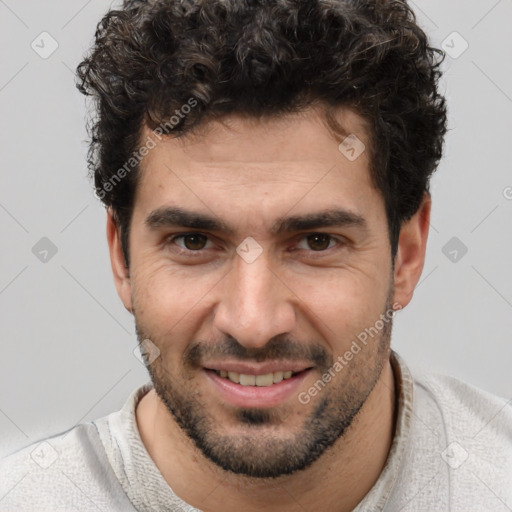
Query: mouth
x=262 y=380
x=248 y=386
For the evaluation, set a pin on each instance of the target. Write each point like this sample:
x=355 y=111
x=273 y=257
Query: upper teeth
x=255 y=380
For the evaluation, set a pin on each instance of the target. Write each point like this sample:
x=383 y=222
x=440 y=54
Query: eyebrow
x=179 y=217
x=325 y=218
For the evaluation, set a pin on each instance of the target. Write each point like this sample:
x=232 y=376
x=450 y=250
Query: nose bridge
x=255 y=288
x=255 y=305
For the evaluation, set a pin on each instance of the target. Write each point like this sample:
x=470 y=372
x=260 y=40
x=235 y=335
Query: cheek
x=342 y=302
x=169 y=302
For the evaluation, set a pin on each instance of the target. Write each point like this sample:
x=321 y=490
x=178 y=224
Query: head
x=244 y=235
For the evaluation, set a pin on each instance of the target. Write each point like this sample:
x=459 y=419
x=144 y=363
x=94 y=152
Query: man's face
x=314 y=274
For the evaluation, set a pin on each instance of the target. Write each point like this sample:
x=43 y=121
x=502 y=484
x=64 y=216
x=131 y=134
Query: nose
x=255 y=304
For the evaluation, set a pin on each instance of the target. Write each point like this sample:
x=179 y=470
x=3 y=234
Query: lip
x=255 y=396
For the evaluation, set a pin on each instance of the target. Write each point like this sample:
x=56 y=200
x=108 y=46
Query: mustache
x=277 y=348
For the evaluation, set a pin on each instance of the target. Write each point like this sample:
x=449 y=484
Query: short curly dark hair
x=265 y=58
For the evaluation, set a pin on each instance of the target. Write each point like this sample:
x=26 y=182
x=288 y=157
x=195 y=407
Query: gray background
x=66 y=341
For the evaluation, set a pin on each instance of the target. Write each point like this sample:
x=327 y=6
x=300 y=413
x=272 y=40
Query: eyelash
x=340 y=242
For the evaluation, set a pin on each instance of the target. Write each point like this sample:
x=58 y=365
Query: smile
x=267 y=386
x=267 y=379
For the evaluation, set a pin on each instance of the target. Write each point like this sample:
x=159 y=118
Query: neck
x=337 y=481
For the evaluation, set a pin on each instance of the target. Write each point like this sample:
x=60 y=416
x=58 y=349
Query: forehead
x=267 y=139
x=263 y=165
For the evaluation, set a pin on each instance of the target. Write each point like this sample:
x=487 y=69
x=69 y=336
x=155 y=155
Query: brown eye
x=318 y=241
x=193 y=241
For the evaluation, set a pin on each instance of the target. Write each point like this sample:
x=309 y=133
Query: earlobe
x=410 y=256
x=119 y=269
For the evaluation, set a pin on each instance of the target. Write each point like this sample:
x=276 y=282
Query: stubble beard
x=262 y=447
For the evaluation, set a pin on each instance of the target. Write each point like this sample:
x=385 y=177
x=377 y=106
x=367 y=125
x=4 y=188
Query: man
x=265 y=168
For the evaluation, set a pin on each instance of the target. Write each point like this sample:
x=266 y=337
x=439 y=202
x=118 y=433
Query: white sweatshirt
x=452 y=451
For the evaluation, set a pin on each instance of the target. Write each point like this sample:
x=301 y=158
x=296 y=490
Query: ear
x=119 y=269
x=410 y=256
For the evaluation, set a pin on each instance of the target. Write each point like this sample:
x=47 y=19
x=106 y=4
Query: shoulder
x=468 y=411
x=50 y=474
x=474 y=434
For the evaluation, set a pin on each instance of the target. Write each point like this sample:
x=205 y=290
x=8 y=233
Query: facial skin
x=207 y=308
